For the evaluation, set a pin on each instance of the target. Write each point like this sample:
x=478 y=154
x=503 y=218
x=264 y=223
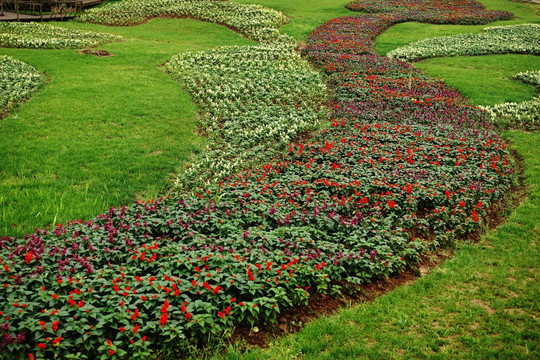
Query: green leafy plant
x=18 y=81
x=45 y=36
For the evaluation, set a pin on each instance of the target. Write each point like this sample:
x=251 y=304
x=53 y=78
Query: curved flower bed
x=356 y=34
x=518 y=39
x=45 y=36
x=246 y=113
x=462 y=12
x=18 y=81
x=254 y=21
x=405 y=165
x=529 y=77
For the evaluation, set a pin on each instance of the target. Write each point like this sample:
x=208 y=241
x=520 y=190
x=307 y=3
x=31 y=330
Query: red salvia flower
x=55 y=325
x=163 y=319
x=28 y=257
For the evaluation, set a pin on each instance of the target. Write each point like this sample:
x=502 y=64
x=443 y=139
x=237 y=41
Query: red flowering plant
x=404 y=167
x=355 y=34
x=463 y=12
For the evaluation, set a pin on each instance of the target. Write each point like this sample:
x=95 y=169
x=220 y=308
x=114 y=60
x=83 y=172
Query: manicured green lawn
x=305 y=15
x=104 y=131
x=485 y=80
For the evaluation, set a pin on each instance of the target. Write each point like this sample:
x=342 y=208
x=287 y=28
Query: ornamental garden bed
x=406 y=166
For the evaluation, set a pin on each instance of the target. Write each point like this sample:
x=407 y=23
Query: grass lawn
x=103 y=131
x=492 y=76
x=305 y=15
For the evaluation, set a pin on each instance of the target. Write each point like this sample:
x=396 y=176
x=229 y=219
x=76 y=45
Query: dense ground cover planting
x=529 y=77
x=406 y=165
x=485 y=79
x=520 y=39
x=463 y=12
x=254 y=21
x=368 y=86
x=46 y=36
x=236 y=85
x=482 y=303
x=17 y=82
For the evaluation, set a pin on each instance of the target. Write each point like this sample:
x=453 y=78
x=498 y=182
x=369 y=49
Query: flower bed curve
x=406 y=164
x=44 y=36
x=523 y=115
x=254 y=21
x=246 y=115
x=18 y=81
x=516 y=39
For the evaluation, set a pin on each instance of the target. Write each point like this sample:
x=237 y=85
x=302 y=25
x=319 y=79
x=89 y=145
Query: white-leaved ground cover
x=18 y=81
x=519 y=39
x=254 y=21
x=254 y=99
x=44 y=36
x=529 y=77
x=525 y=114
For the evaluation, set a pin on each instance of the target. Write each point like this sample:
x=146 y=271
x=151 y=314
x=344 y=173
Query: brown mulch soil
x=295 y=318
x=96 y=52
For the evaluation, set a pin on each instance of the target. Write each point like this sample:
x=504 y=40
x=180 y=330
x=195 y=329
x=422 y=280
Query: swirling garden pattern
x=511 y=39
x=405 y=166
